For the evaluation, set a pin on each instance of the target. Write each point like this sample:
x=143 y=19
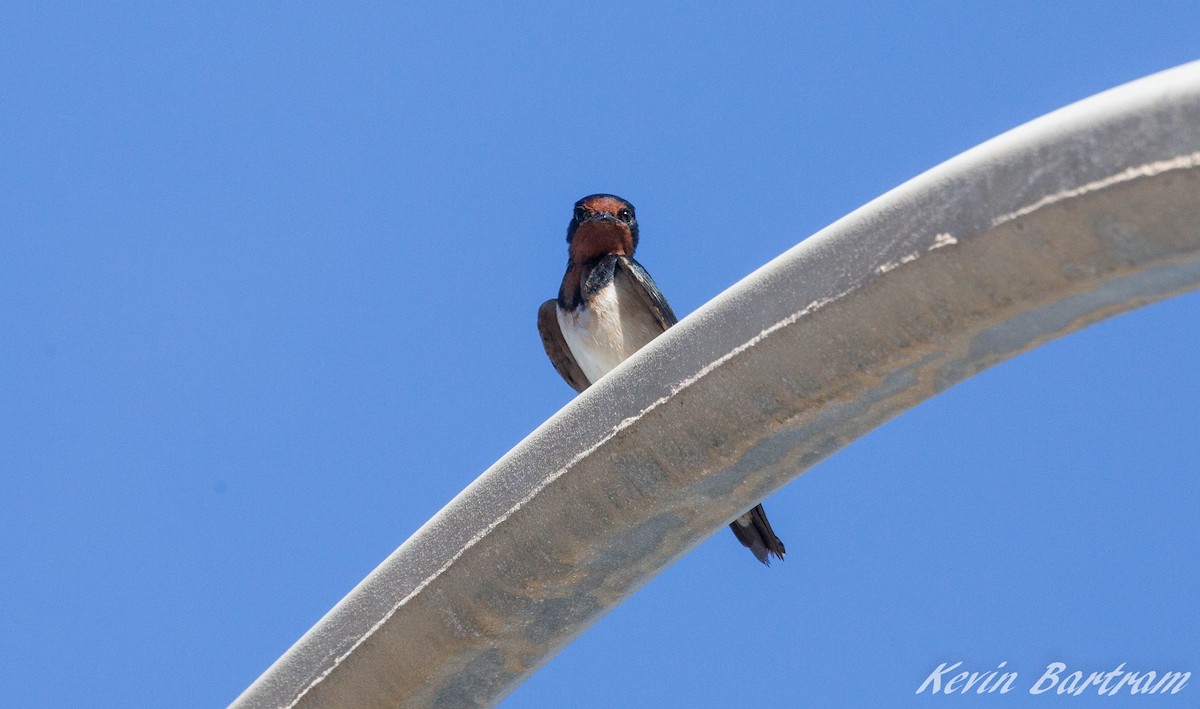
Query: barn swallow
x=608 y=308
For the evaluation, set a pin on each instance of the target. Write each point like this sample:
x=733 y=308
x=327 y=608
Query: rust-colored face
x=602 y=224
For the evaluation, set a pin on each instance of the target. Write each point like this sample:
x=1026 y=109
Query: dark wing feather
x=649 y=292
x=557 y=349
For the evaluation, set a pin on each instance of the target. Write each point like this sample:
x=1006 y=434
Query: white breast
x=615 y=324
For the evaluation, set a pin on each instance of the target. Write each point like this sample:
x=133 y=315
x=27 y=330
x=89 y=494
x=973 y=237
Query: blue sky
x=267 y=302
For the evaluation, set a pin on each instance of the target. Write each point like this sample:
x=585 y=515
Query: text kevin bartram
x=950 y=678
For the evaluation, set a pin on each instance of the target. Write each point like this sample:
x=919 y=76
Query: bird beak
x=600 y=217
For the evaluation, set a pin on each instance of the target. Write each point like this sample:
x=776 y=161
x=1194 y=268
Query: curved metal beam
x=1082 y=214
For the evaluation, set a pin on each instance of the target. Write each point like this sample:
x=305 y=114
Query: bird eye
x=625 y=215
x=581 y=213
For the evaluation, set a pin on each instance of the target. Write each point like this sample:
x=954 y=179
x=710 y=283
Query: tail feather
x=754 y=531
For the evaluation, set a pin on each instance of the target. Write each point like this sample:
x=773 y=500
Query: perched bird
x=608 y=308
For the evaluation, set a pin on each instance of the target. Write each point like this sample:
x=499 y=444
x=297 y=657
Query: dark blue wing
x=650 y=292
x=557 y=349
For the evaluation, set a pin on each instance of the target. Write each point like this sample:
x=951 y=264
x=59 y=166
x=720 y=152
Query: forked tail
x=754 y=531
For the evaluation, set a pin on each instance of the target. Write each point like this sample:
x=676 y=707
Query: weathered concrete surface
x=1075 y=217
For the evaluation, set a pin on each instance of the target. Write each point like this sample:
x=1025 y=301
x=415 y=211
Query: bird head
x=602 y=224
